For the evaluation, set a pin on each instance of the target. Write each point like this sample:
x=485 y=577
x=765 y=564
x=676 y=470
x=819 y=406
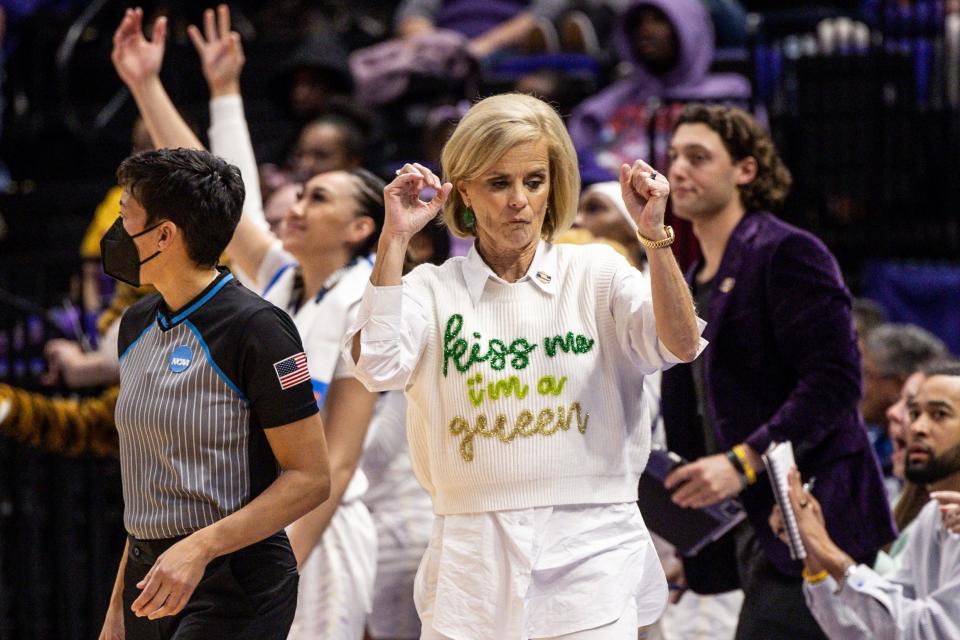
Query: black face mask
x=119 y=254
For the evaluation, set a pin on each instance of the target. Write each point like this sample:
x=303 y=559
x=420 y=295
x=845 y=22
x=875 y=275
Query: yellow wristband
x=748 y=469
x=815 y=578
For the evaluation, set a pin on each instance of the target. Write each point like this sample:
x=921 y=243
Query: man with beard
x=890 y=354
x=922 y=600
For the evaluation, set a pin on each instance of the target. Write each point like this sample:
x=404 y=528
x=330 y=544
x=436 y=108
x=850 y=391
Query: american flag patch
x=292 y=370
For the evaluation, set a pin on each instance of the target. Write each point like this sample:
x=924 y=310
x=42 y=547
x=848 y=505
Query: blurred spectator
x=922 y=599
x=383 y=72
x=729 y=22
x=603 y=214
x=553 y=86
x=316 y=78
x=867 y=316
x=490 y=26
x=328 y=143
x=890 y=354
x=97 y=286
x=69 y=364
x=68 y=426
x=401 y=509
x=440 y=123
x=277 y=205
x=670 y=44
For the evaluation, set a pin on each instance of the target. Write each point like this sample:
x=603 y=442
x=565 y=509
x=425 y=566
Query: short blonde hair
x=492 y=127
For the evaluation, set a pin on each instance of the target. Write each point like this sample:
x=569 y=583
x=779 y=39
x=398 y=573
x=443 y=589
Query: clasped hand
x=645 y=193
x=704 y=483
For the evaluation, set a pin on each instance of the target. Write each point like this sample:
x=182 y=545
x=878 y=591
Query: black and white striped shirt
x=197 y=389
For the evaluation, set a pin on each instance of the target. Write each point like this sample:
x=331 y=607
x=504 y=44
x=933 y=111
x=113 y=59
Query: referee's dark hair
x=197 y=191
x=369 y=199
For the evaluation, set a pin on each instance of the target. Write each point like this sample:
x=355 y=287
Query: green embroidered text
x=550 y=386
x=465 y=355
x=568 y=343
x=546 y=423
x=505 y=387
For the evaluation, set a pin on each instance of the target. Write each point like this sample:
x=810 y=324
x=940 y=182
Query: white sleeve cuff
x=380 y=312
x=223 y=108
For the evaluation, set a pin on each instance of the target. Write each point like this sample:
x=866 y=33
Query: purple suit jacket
x=783 y=364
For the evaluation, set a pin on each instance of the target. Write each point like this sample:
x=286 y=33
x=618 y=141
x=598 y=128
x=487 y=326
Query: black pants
x=773 y=604
x=248 y=594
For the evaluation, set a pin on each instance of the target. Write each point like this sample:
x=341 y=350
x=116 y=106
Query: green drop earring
x=469 y=219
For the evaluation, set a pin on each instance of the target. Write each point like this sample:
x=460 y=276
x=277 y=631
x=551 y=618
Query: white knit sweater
x=519 y=395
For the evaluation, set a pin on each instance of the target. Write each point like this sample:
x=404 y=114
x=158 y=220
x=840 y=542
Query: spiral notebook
x=778 y=460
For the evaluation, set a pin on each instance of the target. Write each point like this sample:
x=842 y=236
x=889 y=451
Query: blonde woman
x=523 y=364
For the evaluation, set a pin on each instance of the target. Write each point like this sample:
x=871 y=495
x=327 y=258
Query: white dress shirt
x=920 y=602
x=533 y=572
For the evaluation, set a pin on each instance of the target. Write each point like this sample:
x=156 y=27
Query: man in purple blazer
x=782 y=365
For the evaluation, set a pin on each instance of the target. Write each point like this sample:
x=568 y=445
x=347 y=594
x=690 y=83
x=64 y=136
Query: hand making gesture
x=220 y=51
x=406 y=213
x=135 y=58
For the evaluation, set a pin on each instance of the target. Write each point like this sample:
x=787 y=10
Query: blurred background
x=862 y=97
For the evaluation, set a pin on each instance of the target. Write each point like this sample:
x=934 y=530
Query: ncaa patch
x=180 y=359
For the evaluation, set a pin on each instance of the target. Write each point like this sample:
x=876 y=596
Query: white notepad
x=778 y=460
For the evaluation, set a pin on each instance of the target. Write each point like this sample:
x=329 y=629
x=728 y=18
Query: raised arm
x=386 y=339
x=222 y=60
x=645 y=194
x=138 y=63
x=404 y=216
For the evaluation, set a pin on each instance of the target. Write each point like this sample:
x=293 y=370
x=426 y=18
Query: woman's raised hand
x=135 y=58
x=406 y=213
x=645 y=193
x=220 y=51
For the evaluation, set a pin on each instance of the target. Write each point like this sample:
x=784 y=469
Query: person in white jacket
x=921 y=601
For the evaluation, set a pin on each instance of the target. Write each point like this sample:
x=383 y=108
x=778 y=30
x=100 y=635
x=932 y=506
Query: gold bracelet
x=748 y=469
x=657 y=244
x=815 y=578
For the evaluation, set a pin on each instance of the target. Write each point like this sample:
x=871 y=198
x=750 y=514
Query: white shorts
x=336 y=583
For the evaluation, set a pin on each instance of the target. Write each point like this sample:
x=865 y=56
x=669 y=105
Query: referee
x=215 y=399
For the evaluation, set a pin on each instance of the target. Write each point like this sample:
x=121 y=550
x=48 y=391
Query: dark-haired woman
x=316 y=271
